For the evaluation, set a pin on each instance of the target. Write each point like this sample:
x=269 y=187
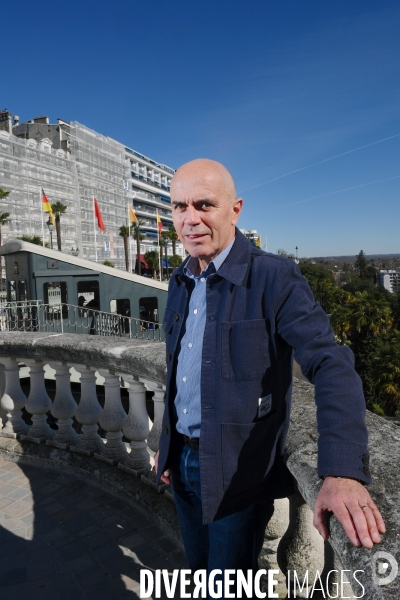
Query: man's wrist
x=323 y=477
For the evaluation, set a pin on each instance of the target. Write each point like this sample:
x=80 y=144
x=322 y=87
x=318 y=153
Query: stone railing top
x=384 y=446
x=146 y=360
x=141 y=358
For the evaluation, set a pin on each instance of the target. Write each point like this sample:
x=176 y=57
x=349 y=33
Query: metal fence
x=34 y=315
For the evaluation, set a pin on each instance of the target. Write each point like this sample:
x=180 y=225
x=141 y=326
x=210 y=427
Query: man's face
x=204 y=211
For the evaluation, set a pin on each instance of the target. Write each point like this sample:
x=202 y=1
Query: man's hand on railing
x=166 y=476
x=350 y=501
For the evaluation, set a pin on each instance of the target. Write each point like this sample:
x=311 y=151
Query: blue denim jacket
x=259 y=310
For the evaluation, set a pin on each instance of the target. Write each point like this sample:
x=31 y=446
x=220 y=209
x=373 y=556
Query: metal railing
x=35 y=316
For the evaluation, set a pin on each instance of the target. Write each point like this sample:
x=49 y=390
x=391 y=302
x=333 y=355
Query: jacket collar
x=234 y=267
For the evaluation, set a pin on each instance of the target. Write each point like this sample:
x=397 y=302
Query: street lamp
x=51 y=229
x=74 y=251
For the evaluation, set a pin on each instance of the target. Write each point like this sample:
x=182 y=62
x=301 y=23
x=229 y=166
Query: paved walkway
x=62 y=539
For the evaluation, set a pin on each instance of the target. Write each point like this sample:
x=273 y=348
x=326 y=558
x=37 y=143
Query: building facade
x=72 y=163
x=390 y=280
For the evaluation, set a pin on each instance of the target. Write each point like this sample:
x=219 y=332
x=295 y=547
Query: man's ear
x=237 y=209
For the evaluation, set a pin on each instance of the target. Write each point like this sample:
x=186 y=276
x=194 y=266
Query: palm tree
x=124 y=233
x=58 y=209
x=138 y=237
x=33 y=239
x=175 y=260
x=152 y=260
x=171 y=234
x=3 y=221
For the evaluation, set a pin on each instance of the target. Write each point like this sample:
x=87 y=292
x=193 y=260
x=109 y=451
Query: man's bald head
x=206 y=170
x=205 y=209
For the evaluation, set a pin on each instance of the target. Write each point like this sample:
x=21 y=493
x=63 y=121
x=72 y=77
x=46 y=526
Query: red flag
x=97 y=214
x=159 y=224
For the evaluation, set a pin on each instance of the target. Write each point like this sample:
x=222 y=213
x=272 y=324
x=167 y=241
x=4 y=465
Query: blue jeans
x=233 y=542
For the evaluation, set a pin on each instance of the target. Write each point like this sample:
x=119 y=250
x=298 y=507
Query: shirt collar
x=191 y=266
x=236 y=266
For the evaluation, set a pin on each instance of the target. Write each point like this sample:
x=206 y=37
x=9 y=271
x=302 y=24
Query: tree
x=3 y=221
x=362 y=269
x=282 y=252
x=175 y=260
x=33 y=239
x=152 y=259
x=171 y=234
x=58 y=209
x=124 y=233
x=322 y=283
x=138 y=237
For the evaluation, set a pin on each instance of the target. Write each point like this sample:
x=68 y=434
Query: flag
x=97 y=214
x=132 y=217
x=159 y=224
x=47 y=206
x=258 y=242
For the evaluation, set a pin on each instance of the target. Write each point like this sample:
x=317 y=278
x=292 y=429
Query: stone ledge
x=112 y=480
x=132 y=356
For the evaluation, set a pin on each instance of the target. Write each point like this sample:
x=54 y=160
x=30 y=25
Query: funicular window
x=89 y=294
x=11 y=291
x=121 y=307
x=22 y=290
x=55 y=293
x=148 y=310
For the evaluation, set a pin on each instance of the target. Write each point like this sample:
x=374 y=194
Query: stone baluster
x=13 y=400
x=111 y=420
x=154 y=436
x=155 y=433
x=88 y=414
x=301 y=549
x=38 y=404
x=279 y=522
x=136 y=428
x=63 y=409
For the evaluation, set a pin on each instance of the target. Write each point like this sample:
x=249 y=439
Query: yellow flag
x=258 y=242
x=132 y=217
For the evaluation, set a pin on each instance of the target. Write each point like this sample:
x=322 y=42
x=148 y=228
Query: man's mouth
x=194 y=236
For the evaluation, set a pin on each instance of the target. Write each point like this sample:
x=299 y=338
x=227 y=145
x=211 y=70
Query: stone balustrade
x=300 y=551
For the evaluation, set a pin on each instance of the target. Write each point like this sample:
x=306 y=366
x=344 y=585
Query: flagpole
x=159 y=247
x=94 y=225
x=41 y=211
x=129 y=236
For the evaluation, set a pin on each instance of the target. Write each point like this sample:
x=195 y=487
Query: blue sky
x=267 y=87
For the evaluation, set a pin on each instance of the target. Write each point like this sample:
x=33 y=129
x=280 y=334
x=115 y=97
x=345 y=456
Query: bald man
x=235 y=314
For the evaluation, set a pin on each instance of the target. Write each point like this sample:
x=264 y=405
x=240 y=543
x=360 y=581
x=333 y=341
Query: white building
x=390 y=280
x=72 y=164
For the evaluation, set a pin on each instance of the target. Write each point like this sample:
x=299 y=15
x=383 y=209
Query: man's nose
x=192 y=216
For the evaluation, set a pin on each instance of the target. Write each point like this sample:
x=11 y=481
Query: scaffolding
x=85 y=164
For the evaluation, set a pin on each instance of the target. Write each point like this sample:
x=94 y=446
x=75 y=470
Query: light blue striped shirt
x=188 y=374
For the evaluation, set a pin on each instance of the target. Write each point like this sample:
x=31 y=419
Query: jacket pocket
x=244 y=350
x=248 y=451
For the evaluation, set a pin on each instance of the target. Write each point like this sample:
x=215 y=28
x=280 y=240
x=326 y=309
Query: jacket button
x=365 y=459
x=169 y=356
x=367 y=472
x=165 y=429
x=176 y=317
